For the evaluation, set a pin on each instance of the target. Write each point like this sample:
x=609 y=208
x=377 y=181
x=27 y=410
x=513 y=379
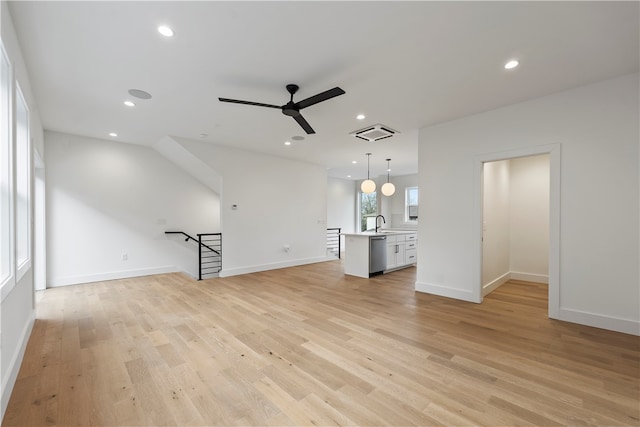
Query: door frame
x=39 y=224
x=553 y=150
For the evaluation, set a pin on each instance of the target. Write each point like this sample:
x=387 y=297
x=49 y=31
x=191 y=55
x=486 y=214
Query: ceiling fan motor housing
x=291 y=109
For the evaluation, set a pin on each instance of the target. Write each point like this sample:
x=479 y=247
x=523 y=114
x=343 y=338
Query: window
x=23 y=185
x=411 y=204
x=6 y=209
x=368 y=210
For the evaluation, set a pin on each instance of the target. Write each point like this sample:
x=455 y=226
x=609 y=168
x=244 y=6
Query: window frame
x=407 y=220
x=22 y=165
x=7 y=228
x=359 y=216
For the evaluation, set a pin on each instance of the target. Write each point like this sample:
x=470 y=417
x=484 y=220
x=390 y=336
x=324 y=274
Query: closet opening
x=519 y=222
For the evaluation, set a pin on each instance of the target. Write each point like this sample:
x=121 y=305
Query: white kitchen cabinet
x=356 y=262
x=401 y=250
x=410 y=256
x=395 y=252
x=410 y=249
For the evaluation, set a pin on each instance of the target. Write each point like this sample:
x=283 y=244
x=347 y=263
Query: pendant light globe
x=368 y=185
x=388 y=189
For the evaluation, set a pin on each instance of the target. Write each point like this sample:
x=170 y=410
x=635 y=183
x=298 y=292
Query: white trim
x=227 y=272
x=22 y=269
x=495 y=284
x=530 y=277
x=445 y=291
x=113 y=275
x=7 y=286
x=39 y=249
x=10 y=281
x=14 y=366
x=625 y=326
x=25 y=264
x=554 y=151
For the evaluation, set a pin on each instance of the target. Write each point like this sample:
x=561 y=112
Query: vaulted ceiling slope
x=402 y=64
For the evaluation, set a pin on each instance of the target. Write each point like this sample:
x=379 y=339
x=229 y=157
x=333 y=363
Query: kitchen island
x=363 y=251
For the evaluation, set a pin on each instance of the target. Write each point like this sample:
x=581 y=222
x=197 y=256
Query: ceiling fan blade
x=328 y=94
x=305 y=125
x=258 y=104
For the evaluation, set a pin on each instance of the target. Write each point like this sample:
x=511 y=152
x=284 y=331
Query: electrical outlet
x=286 y=248
x=125 y=256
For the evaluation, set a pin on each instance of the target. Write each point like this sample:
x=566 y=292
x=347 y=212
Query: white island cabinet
x=400 y=246
x=356 y=254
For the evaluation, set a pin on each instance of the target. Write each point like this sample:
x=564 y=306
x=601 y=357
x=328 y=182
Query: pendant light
x=368 y=186
x=388 y=188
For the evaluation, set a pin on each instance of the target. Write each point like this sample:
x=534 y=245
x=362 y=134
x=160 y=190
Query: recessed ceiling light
x=204 y=135
x=165 y=31
x=360 y=117
x=511 y=64
x=287 y=143
x=129 y=104
x=348 y=176
x=113 y=134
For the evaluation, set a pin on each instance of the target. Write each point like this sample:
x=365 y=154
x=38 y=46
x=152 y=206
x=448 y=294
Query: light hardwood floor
x=309 y=346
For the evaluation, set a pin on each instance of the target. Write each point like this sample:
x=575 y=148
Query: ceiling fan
x=291 y=108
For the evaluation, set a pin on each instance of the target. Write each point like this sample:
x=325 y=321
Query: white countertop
x=379 y=233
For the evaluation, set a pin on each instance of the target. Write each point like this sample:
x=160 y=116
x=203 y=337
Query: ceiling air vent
x=374 y=133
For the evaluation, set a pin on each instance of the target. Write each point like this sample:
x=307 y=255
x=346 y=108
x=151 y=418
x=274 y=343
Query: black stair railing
x=209 y=252
x=333 y=240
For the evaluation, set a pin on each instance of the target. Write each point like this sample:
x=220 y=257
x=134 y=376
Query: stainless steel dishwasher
x=377 y=254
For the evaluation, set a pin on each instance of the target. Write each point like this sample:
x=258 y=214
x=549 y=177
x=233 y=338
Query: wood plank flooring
x=310 y=346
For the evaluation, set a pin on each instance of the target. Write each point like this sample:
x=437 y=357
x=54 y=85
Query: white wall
x=279 y=202
x=342 y=205
x=529 y=218
x=106 y=198
x=495 y=224
x=596 y=127
x=17 y=309
x=392 y=207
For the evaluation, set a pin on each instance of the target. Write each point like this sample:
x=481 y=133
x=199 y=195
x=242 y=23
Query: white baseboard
x=495 y=284
x=227 y=272
x=461 y=294
x=112 y=275
x=529 y=277
x=14 y=366
x=599 y=321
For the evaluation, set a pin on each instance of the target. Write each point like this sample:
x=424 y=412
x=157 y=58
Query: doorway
x=515 y=221
x=517 y=207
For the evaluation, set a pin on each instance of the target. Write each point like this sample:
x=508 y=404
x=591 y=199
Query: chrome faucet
x=383 y=220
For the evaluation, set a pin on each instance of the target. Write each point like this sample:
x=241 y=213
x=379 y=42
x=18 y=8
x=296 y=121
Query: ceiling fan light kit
x=292 y=109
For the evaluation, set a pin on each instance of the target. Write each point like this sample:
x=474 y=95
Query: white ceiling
x=404 y=64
